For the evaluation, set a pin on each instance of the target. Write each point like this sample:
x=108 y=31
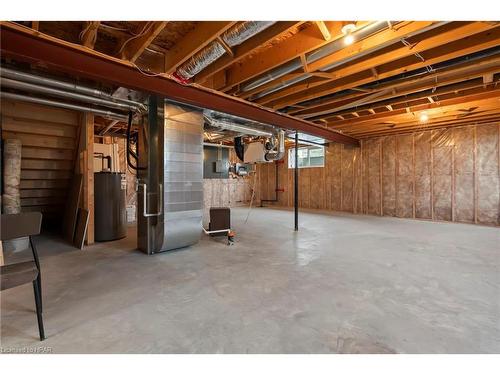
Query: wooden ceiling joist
x=245 y=49
x=307 y=91
x=25 y=45
x=197 y=39
x=396 y=55
x=375 y=86
x=382 y=38
x=412 y=127
x=486 y=100
x=89 y=34
x=441 y=92
x=291 y=48
x=454 y=74
x=324 y=30
x=135 y=46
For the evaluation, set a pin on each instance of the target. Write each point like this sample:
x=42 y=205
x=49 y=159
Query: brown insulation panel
x=423 y=206
x=464 y=174
x=487 y=174
x=442 y=154
x=404 y=176
x=448 y=174
x=373 y=176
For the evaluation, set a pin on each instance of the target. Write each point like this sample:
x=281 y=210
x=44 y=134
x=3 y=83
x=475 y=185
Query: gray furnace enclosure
x=170 y=196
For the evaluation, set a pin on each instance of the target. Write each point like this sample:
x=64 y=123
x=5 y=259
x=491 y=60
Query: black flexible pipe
x=129 y=151
x=239 y=148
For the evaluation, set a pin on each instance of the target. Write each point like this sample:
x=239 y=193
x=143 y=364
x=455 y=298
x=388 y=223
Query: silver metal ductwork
x=171 y=195
x=237 y=124
x=275 y=138
x=59 y=104
x=67 y=87
x=278 y=151
x=321 y=52
x=55 y=93
x=233 y=37
x=34 y=88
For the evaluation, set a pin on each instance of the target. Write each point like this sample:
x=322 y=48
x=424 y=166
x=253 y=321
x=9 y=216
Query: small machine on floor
x=220 y=223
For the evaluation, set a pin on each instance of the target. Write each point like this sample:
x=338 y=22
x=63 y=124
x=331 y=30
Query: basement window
x=312 y=156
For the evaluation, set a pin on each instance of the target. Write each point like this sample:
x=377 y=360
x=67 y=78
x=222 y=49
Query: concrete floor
x=342 y=284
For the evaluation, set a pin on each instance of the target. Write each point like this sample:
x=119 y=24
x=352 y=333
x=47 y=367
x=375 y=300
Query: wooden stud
x=381 y=174
x=225 y=46
x=356 y=76
x=246 y=49
x=324 y=30
x=413 y=174
x=291 y=48
x=303 y=61
x=193 y=42
x=135 y=46
x=432 y=175
x=89 y=34
x=87 y=141
x=475 y=177
x=453 y=182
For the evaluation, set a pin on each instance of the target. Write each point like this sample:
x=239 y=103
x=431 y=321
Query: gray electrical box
x=220 y=166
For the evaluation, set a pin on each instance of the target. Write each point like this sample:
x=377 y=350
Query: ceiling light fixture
x=347 y=30
x=424 y=117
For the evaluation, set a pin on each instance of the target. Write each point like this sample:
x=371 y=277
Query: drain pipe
x=55 y=103
x=61 y=85
x=30 y=87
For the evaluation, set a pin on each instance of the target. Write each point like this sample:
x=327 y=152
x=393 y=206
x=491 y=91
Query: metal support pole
x=296 y=182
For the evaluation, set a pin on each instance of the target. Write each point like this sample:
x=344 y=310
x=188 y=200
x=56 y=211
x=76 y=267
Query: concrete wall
x=445 y=175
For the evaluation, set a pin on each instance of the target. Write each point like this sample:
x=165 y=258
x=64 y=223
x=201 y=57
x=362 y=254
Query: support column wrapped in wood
x=11 y=200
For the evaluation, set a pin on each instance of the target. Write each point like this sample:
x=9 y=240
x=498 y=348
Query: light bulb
x=348 y=39
x=424 y=117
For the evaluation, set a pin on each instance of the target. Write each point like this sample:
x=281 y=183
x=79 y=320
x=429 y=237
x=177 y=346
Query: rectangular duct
x=173 y=214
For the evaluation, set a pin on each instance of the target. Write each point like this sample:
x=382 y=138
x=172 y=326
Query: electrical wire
x=141 y=33
x=129 y=151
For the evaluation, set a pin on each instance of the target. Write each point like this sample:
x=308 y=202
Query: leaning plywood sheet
x=488 y=188
x=423 y=175
x=404 y=176
x=71 y=210
x=81 y=227
x=464 y=174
